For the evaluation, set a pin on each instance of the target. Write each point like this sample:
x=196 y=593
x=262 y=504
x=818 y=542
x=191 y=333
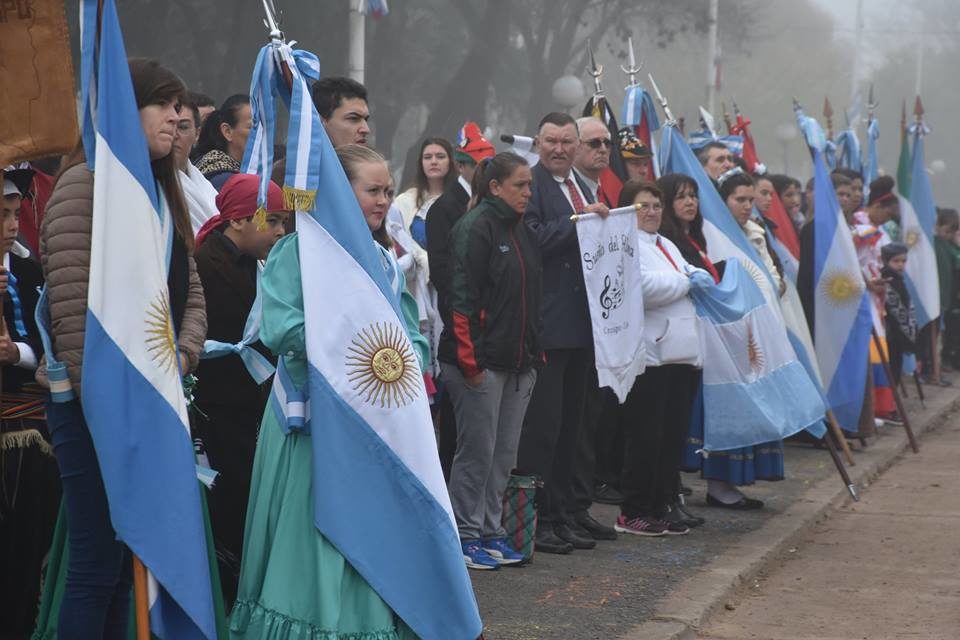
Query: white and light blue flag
x=380 y=495
x=754 y=388
x=916 y=230
x=726 y=241
x=132 y=396
x=842 y=320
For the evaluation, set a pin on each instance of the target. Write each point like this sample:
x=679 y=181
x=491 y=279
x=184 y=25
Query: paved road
x=609 y=591
x=886 y=567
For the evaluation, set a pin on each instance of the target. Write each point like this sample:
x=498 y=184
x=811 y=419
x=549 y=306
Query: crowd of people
x=483 y=254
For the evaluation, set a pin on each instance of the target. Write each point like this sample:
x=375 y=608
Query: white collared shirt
x=566 y=192
x=593 y=185
x=466 y=186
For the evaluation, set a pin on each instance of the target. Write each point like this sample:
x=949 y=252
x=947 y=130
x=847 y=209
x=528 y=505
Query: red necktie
x=666 y=253
x=575 y=198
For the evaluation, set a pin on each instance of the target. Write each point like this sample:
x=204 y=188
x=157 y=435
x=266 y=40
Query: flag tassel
x=298 y=199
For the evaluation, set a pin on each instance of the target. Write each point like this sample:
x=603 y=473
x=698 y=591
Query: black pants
x=895 y=354
x=587 y=454
x=548 y=442
x=446 y=423
x=609 y=441
x=230 y=440
x=655 y=419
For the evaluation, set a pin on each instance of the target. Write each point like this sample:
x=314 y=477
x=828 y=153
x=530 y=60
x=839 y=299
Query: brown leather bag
x=38 y=107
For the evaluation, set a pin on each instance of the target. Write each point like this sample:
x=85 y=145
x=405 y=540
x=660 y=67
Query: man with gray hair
x=593 y=156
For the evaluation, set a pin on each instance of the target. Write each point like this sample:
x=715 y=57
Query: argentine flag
x=754 y=388
x=726 y=241
x=917 y=219
x=379 y=496
x=131 y=395
x=842 y=320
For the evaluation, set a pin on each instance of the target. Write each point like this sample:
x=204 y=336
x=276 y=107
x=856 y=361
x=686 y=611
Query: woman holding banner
x=656 y=414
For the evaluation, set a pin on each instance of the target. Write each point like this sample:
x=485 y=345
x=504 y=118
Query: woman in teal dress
x=294 y=584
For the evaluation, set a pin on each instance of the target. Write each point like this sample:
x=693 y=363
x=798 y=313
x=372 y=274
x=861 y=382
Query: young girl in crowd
x=490 y=350
x=293 y=582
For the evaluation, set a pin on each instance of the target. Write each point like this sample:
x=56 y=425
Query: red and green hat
x=472 y=147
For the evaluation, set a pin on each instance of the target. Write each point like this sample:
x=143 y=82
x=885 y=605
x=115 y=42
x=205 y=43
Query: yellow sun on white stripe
x=911 y=237
x=160 y=340
x=381 y=366
x=841 y=288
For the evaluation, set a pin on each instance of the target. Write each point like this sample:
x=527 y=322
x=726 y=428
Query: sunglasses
x=596 y=143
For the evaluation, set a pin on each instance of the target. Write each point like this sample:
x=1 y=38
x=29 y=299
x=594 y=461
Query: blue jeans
x=96 y=599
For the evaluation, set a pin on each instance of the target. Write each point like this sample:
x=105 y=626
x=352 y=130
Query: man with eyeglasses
x=716 y=159
x=593 y=156
x=548 y=443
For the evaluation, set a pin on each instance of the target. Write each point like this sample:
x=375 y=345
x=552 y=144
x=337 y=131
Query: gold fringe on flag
x=298 y=199
x=260 y=219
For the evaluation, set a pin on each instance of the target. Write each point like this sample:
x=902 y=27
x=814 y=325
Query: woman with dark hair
x=490 y=350
x=790 y=192
x=223 y=139
x=682 y=222
x=294 y=583
x=96 y=596
x=435 y=172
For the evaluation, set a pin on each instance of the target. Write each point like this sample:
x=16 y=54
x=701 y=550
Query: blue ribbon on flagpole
x=873 y=162
x=636 y=104
x=258 y=366
x=848 y=146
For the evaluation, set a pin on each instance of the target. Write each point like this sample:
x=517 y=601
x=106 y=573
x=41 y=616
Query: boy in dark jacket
x=901 y=321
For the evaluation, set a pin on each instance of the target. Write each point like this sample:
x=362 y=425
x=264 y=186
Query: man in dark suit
x=471 y=149
x=548 y=444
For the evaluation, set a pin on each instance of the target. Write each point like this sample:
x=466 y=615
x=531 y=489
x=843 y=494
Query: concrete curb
x=685 y=610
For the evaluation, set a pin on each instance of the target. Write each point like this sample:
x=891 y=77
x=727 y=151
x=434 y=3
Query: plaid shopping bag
x=520 y=512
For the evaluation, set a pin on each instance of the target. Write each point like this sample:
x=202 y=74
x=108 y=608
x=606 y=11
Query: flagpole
x=896 y=392
x=355 y=55
x=141 y=599
x=712 y=54
x=842 y=439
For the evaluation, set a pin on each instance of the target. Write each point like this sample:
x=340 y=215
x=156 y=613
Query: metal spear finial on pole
x=633 y=69
x=595 y=70
x=272 y=21
x=918 y=110
x=663 y=101
x=871 y=104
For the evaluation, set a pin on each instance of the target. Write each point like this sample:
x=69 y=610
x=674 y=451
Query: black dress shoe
x=675 y=513
x=743 y=504
x=607 y=494
x=567 y=535
x=546 y=541
x=596 y=530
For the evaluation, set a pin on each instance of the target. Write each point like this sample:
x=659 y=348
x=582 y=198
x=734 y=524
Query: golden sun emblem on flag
x=911 y=237
x=381 y=366
x=841 y=288
x=754 y=353
x=160 y=339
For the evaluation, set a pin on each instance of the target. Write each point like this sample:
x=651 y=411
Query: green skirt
x=294 y=584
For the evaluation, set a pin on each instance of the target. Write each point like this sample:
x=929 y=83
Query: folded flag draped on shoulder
x=916 y=230
x=373 y=431
x=132 y=396
x=841 y=308
x=754 y=388
x=611 y=275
